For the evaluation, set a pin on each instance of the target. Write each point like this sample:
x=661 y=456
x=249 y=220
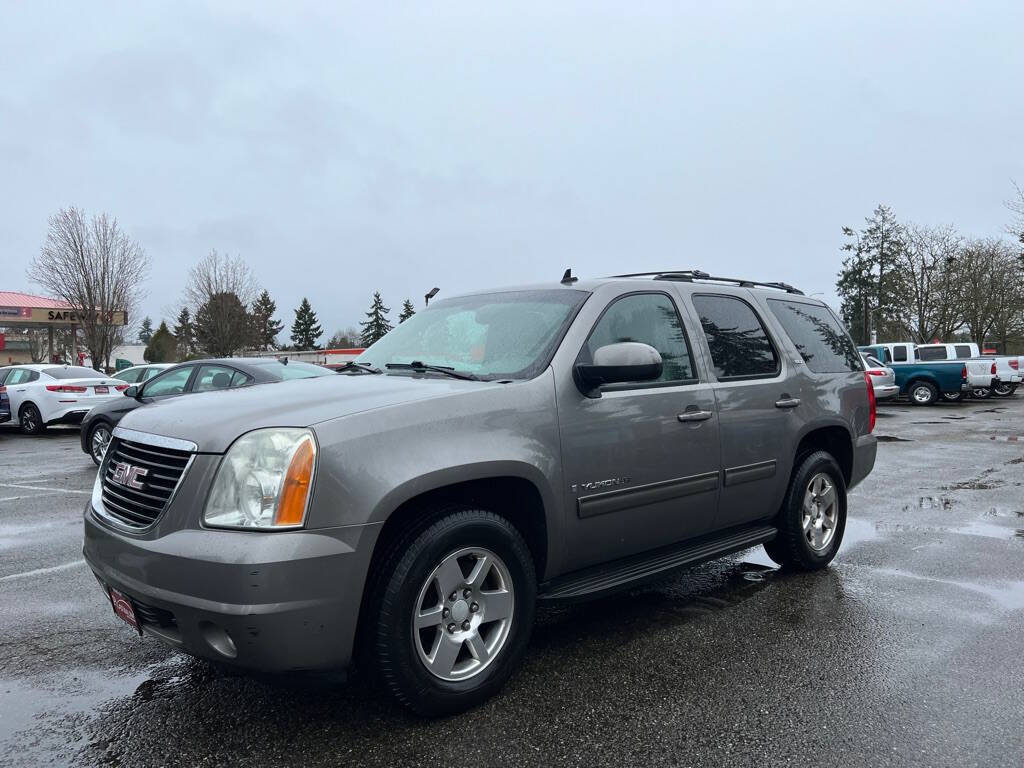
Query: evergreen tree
x=305 y=330
x=264 y=327
x=868 y=282
x=407 y=311
x=146 y=331
x=162 y=346
x=185 y=333
x=376 y=323
x=222 y=325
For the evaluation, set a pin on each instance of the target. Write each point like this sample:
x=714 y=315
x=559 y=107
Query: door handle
x=695 y=415
x=787 y=402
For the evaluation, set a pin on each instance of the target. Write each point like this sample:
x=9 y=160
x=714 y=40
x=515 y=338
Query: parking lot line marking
x=40 y=488
x=33 y=496
x=40 y=571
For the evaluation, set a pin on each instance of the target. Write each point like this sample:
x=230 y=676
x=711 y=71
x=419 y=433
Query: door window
x=131 y=376
x=962 y=350
x=817 y=336
x=171 y=383
x=740 y=345
x=649 y=318
x=149 y=373
x=22 y=376
x=899 y=354
x=239 y=379
x=212 y=377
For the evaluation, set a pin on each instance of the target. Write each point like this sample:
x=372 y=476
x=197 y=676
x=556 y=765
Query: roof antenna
x=567 y=278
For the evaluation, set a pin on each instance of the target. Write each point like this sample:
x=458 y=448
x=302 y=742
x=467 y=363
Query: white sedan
x=42 y=394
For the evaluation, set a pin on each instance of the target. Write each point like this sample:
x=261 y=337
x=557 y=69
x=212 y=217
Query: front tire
x=99 y=441
x=981 y=393
x=31 y=420
x=813 y=516
x=952 y=397
x=452 y=611
x=923 y=393
x=1003 y=389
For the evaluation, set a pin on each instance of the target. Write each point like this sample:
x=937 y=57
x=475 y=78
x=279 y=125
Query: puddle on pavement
x=1008 y=595
x=892 y=439
x=988 y=530
x=955 y=418
x=1018 y=460
x=926 y=422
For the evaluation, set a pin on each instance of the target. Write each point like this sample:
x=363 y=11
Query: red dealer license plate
x=102 y=390
x=124 y=610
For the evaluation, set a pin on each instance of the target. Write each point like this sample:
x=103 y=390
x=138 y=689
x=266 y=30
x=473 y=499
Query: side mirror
x=626 y=361
x=132 y=391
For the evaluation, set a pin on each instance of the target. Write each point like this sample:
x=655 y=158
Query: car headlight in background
x=264 y=481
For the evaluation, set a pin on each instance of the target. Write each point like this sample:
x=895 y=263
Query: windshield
x=294 y=370
x=509 y=335
x=73 y=372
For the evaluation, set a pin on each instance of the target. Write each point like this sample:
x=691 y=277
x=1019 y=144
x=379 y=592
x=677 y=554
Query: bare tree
x=930 y=303
x=989 y=275
x=1016 y=206
x=97 y=269
x=219 y=290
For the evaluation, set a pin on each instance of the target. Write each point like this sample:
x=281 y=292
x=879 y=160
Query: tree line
x=911 y=282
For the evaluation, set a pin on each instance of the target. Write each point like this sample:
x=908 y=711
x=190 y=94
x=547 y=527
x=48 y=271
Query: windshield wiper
x=419 y=367
x=352 y=365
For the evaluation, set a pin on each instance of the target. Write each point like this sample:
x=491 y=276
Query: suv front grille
x=139 y=480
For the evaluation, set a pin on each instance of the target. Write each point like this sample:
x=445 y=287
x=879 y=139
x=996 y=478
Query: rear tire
x=1003 y=389
x=923 y=393
x=440 y=656
x=812 y=520
x=31 y=420
x=981 y=393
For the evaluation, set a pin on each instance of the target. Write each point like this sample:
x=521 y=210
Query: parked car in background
x=883 y=378
x=550 y=443
x=5 y=406
x=183 y=379
x=982 y=372
x=45 y=394
x=924 y=383
x=140 y=373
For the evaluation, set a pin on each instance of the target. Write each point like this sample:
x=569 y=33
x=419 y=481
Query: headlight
x=264 y=481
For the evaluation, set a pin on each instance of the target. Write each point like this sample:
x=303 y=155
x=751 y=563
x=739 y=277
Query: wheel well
x=834 y=440
x=921 y=379
x=514 y=498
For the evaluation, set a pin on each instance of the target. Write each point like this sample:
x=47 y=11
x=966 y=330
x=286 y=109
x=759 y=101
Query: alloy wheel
x=99 y=443
x=820 y=512
x=463 y=614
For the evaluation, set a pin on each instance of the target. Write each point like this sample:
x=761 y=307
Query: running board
x=600 y=580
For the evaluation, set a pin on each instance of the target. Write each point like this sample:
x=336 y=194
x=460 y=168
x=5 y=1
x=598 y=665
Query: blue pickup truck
x=924 y=382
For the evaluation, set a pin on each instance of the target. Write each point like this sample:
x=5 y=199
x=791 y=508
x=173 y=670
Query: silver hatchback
x=882 y=377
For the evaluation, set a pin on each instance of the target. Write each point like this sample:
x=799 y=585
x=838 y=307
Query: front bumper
x=272 y=601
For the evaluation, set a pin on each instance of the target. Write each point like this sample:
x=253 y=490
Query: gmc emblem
x=129 y=476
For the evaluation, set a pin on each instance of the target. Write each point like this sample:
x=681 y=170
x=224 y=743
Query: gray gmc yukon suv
x=539 y=444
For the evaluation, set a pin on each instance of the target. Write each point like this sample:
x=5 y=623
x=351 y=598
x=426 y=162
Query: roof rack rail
x=689 y=275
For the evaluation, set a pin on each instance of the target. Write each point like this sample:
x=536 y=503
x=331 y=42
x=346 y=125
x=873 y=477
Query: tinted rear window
x=899 y=354
x=739 y=344
x=74 y=372
x=931 y=353
x=817 y=336
x=293 y=370
x=962 y=350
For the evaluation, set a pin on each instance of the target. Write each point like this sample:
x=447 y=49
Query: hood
x=213 y=420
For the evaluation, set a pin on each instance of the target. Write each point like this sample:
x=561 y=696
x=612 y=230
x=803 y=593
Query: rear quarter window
x=819 y=338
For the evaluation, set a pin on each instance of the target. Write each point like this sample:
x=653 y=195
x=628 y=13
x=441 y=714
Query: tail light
x=875 y=372
x=963 y=373
x=872 y=404
x=993 y=369
x=66 y=388
x=1015 y=364
x=121 y=387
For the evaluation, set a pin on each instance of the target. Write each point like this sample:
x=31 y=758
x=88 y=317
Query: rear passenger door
x=758 y=406
x=213 y=377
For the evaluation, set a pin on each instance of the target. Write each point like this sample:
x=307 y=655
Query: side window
x=171 y=383
x=739 y=344
x=239 y=379
x=817 y=336
x=650 y=318
x=131 y=377
x=899 y=354
x=212 y=377
x=932 y=353
x=962 y=351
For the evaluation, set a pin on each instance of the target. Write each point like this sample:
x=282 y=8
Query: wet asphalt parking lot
x=909 y=650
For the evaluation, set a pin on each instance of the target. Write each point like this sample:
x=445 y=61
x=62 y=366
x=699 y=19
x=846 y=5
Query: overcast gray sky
x=343 y=150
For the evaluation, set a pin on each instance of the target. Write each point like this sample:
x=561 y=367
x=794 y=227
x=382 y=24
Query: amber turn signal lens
x=295 y=489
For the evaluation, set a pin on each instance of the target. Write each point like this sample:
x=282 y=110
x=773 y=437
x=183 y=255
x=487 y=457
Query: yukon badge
x=600 y=485
x=129 y=476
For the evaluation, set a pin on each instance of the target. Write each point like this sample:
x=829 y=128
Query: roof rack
x=689 y=275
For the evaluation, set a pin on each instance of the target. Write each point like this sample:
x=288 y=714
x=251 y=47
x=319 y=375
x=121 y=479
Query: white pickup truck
x=1004 y=369
x=981 y=372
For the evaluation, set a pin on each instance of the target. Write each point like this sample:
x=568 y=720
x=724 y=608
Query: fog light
x=218 y=639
